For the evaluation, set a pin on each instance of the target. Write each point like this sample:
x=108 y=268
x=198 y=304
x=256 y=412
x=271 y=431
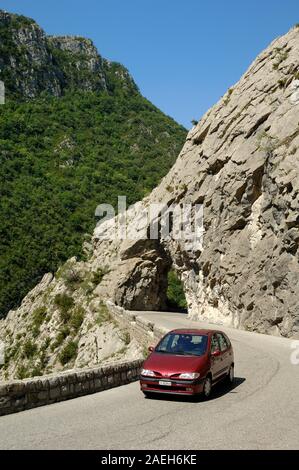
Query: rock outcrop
x=32 y=63
x=63 y=324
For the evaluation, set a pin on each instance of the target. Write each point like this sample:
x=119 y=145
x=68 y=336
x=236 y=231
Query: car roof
x=201 y=331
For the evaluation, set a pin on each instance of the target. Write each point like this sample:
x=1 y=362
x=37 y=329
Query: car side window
x=222 y=342
x=214 y=344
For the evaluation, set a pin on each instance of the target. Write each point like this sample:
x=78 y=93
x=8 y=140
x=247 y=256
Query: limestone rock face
x=62 y=324
x=26 y=63
x=80 y=62
x=241 y=161
x=32 y=62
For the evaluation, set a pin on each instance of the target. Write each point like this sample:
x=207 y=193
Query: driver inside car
x=184 y=344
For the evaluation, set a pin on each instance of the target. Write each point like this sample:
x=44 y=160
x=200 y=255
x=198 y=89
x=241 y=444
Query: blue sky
x=183 y=54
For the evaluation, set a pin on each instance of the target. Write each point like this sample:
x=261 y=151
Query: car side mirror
x=151 y=348
x=216 y=353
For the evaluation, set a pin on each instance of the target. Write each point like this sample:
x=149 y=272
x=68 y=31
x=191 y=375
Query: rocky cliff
x=241 y=162
x=32 y=62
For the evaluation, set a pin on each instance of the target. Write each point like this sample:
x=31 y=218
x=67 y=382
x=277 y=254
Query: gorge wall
x=241 y=162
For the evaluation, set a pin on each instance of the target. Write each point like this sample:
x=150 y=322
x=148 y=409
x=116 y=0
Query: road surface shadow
x=220 y=389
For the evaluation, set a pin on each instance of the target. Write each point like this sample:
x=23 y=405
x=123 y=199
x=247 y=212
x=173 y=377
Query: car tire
x=147 y=394
x=207 y=388
x=230 y=376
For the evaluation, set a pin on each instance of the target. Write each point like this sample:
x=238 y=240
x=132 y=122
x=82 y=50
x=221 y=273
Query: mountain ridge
x=50 y=63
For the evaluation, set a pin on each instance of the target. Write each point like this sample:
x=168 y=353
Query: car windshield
x=185 y=344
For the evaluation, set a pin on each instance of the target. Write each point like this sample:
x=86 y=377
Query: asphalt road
x=260 y=412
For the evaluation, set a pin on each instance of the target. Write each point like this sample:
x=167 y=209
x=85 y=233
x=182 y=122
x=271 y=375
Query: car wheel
x=207 y=387
x=231 y=375
x=147 y=394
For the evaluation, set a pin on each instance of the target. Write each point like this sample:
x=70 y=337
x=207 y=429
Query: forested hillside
x=74 y=132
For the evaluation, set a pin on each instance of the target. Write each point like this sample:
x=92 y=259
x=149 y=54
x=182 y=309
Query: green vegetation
x=63 y=156
x=64 y=332
x=22 y=372
x=145 y=352
x=175 y=292
x=25 y=371
x=65 y=303
x=46 y=344
x=228 y=96
x=280 y=56
x=72 y=319
x=72 y=279
x=69 y=352
x=31 y=359
x=266 y=142
x=29 y=349
x=77 y=319
x=36 y=371
x=38 y=317
x=11 y=353
x=282 y=82
x=98 y=275
x=126 y=337
x=103 y=315
x=49 y=192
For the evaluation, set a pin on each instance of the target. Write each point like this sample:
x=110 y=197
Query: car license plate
x=165 y=383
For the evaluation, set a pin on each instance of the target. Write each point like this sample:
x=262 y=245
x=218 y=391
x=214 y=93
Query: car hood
x=168 y=364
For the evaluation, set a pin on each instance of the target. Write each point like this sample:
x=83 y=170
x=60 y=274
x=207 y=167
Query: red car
x=188 y=362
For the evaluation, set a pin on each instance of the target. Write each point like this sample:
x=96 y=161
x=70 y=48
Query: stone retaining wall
x=25 y=394
x=144 y=331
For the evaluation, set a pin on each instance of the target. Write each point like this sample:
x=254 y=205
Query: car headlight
x=189 y=375
x=147 y=372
